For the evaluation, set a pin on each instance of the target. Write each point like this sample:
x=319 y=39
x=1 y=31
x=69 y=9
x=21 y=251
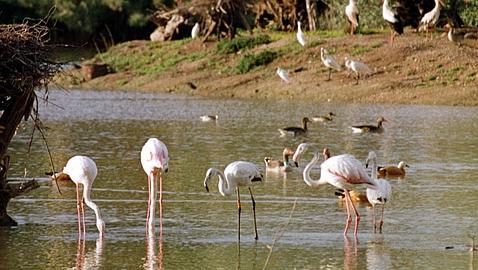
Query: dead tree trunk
x=18 y=108
x=311 y=6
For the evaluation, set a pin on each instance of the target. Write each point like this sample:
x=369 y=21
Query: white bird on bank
x=237 y=174
x=329 y=61
x=300 y=35
x=357 y=67
x=430 y=18
x=195 y=31
x=283 y=74
x=382 y=194
x=352 y=14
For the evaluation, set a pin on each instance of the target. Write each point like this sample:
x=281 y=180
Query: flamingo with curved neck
x=236 y=174
x=342 y=171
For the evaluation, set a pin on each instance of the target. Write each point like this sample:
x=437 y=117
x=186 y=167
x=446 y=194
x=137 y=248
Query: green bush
x=237 y=44
x=250 y=61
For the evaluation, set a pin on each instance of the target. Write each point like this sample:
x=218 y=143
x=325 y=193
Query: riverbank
x=414 y=70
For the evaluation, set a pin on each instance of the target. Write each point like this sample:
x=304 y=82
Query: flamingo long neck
x=306 y=174
x=373 y=162
x=225 y=188
x=92 y=205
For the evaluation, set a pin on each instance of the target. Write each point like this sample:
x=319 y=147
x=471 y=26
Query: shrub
x=237 y=44
x=250 y=61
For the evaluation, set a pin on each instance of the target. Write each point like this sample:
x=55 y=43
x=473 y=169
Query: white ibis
x=370 y=128
x=195 y=31
x=380 y=195
x=283 y=74
x=237 y=174
x=357 y=67
x=295 y=131
x=352 y=14
x=300 y=35
x=329 y=61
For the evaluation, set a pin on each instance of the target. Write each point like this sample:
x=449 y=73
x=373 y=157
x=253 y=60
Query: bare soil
x=414 y=70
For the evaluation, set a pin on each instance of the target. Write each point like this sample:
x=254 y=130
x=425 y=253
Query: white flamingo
x=82 y=170
x=329 y=61
x=342 y=171
x=430 y=18
x=195 y=31
x=300 y=35
x=352 y=14
x=382 y=194
x=154 y=159
x=357 y=67
x=237 y=174
x=283 y=74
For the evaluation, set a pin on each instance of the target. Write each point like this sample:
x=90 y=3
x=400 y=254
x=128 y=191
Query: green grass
x=240 y=43
x=250 y=61
x=359 y=50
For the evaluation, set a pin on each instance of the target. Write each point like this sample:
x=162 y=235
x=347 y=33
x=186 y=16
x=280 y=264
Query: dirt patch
x=414 y=70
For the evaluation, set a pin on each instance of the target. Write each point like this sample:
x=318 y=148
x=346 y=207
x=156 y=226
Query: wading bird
x=357 y=67
x=393 y=171
x=209 y=118
x=283 y=74
x=300 y=35
x=329 y=61
x=237 y=174
x=393 y=20
x=380 y=195
x=430 y=18
x=370 y=128
x=352 y=14
x=324 y=118
x=154 y=159
x=342 y=171
x=82 y=170
x=283 y=165
x=295 y=131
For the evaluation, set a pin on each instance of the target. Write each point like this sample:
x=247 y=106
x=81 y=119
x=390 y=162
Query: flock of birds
x=417 y=14
x=342 y=171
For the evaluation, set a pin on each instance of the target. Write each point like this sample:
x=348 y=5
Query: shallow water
x=427 y=222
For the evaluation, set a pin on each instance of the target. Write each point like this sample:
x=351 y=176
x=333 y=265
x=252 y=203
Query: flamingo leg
x=373 y=219
x=349 y=216
x=381 y=219
x=161 y=202
x=254 y=214
x=82 y=205
x=78 y=209
x=149 y=202
x=238 y=215
x=357 y=216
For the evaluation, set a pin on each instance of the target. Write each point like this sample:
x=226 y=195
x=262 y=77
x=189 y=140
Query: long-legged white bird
x=329 y=61
x=300 y=35
x=357 y=67
x=393 y=20
x=352 y=14
x=380 y=195
x=155 y=160
x=82 y=170
x=237 y=174
x=283 y=74
x=430 y=18
x=342 y=171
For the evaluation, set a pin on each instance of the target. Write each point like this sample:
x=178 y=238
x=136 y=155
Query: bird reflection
x=350 y=253
x=378 y=256
x=90 y=260
x=154 y=258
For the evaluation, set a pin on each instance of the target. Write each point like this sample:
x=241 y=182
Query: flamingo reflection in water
x=89 y=260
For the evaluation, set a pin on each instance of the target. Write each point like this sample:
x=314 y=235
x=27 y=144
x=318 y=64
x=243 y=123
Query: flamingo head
x=371 y=156
x=301 y=149
x=210 y=173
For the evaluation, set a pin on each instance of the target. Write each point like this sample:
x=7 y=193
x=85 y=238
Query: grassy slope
x=413 y=71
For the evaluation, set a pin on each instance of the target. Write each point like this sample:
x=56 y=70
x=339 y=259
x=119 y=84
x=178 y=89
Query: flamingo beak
x=296 y=164
x=207 y=188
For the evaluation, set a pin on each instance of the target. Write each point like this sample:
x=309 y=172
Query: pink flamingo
x=154 y=158
x=83 y=170
x=343 y=171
